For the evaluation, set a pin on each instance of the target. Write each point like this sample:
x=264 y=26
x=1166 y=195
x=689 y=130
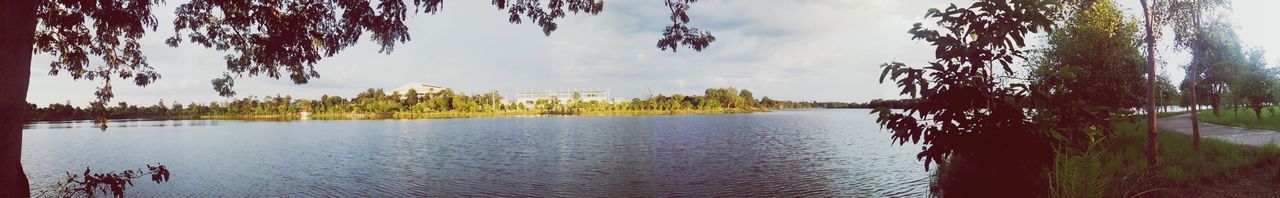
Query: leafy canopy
x=1256 y=84
x=962 y=97
x=1095 y=51
x=1218 y=56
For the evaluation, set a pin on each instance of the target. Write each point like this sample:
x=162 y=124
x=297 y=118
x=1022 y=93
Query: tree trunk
x=1217 y=102
x=1152 y=150
x=1257 y=111
x=16 y=38
x=1195 y=113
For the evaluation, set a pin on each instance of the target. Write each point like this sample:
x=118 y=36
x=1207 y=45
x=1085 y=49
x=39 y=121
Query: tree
x=395 y=96
x=1255 y=84
x=1168 y=94
x=177 y=108
x=305 y=106
x=768 y=102
x=1184 y=16
x=1152 y=149
x=411 y=98
x=749 y=100
x=1096 y=51
x=964 y=105
x=271 y=38
x=16 y=41
x=1217 y=58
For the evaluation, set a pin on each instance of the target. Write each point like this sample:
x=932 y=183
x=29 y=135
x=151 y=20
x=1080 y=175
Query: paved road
x=1243 y=136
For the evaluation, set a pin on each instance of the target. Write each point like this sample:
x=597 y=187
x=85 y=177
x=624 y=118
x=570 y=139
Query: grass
x=1117 y=166
x=1079 y=176
x=1245 y=118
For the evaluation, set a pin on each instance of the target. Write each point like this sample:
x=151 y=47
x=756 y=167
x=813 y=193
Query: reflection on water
x=784 y=153
x=73 y=124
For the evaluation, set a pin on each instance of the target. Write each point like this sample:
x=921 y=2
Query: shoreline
x=446 y=115
x=432 y=115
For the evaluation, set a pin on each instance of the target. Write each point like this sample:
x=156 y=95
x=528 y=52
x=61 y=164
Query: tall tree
x=964 y=105
x=1255 y=84
x=749 y=100
x=1152 y=148
x=1217 y=58
x=1095 y=51
x=1183 y=14
x=1184 y=17
x=1168 y=94
x=272 y=38
x=18 y=17
x=411 y=97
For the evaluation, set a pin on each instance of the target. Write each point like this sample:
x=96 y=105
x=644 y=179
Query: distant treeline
x=893 y=104
x=376 y=103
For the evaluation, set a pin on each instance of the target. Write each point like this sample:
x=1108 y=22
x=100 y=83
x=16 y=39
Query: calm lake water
x=782 y=153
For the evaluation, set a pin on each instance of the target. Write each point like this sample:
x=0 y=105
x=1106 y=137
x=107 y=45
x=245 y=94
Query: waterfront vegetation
x=1116 y=167
x=377 y=104
x=1061 y=129
x=1067 y=128
x=1266 y=119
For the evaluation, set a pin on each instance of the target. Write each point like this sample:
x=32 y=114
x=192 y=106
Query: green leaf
x=887 y=67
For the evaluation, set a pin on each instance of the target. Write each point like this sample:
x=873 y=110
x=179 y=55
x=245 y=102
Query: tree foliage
x=966 y=105
x=679 y=32
x=1217 y=58
x=89 y=184
x=959 y=94
x=1184 y=17
x=1168 y=94
x=1256 y=84
x=1095 y=51
x=74 y=30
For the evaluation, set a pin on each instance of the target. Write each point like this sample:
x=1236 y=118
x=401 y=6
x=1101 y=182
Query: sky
x=823 y=50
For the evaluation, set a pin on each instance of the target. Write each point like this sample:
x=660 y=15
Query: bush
x=1079 y=176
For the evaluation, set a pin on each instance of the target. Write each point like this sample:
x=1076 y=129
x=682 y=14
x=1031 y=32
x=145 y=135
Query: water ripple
x=833 y=153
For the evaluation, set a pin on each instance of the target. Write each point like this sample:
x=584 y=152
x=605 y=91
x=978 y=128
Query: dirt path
x=1242 y=136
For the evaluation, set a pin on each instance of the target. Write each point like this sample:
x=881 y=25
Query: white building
x=421 y=88
x=596 y=95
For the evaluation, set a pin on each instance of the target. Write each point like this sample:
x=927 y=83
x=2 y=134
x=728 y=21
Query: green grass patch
x=1244 y=117
x=1117 y=166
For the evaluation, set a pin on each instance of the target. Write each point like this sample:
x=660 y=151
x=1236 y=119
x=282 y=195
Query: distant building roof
x=586 y=95
x=418 y=87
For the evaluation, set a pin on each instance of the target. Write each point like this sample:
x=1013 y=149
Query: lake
x=781 y=153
